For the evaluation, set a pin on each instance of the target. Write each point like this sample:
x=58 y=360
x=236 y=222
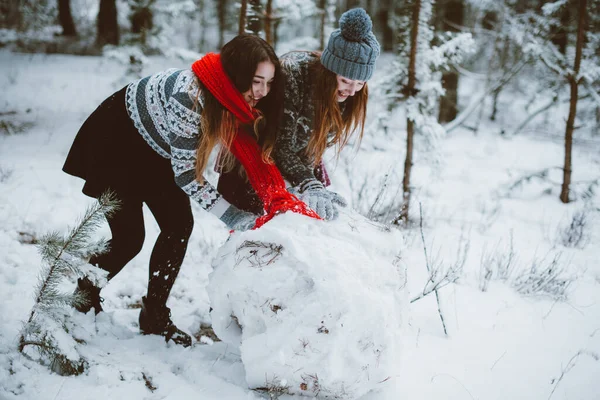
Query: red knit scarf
x=265 y=178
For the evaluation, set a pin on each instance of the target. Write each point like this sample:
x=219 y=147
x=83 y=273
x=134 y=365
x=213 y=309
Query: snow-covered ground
x=516 y=335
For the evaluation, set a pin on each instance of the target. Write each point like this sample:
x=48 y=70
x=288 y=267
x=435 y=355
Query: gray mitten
x=321 y=200
x=337 y=199
x=237 y=219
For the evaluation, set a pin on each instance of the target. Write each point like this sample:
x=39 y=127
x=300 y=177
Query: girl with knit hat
x=325 y=103
x=150 y=143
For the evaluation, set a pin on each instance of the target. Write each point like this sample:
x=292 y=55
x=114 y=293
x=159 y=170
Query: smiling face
x=261 y=83
x=347 y=87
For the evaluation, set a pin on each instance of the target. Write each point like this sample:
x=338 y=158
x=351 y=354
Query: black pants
x=172 y=211
x=110 y=154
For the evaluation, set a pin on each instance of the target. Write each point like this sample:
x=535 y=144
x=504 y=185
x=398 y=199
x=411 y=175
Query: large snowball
x=316 y=307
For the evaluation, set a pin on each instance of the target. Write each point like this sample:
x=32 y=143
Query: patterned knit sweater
x=298 y=119
x=162 y=109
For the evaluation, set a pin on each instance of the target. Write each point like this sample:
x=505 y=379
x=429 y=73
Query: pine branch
x=62 y=257
x=92 y=219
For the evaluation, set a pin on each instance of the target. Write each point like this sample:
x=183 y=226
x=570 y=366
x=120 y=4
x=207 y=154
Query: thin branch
x=552 y=67
x=437 y=296
x=534 y=114
x=572 y=362
x=450 y=126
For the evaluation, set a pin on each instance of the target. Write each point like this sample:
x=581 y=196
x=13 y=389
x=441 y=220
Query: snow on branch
x=431 y=61
x=49 y=329
x=552 y=8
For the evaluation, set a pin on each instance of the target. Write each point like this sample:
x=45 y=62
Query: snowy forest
x=466 y=264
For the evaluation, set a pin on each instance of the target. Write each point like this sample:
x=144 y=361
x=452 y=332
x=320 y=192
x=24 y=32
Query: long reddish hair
x=329 y=116
x=240 y=58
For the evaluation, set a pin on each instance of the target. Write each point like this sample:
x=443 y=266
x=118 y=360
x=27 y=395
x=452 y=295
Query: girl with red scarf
x=150 y=143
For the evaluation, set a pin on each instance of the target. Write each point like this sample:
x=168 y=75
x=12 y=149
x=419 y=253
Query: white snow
x=501 y=343
x=320 y=304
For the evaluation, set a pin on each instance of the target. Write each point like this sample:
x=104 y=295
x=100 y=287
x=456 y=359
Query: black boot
x=90 y=296
x=156 y=320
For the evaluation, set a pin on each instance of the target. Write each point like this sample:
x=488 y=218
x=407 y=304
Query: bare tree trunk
x=574 y=83
x=503 y=60
x=559 y=33
x=322 y=5
x=66 y=18
x=452 y=13
x=11 y=15
x=142 y=19
x=242 y=23
x=383 y=17
x=275 y=29
x=369 y=6
x=410 y=124
x=221 y=14
x=269 y=23
x=254 y=23
x=108 y=28
x=449 y=101
x=201 y=11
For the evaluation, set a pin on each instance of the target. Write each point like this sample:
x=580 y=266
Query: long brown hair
x=240 y=58
x=328 y=114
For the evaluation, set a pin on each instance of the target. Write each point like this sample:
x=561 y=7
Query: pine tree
x=419 y=81
x=574 y=81
x=49 y=330
x=579 y=68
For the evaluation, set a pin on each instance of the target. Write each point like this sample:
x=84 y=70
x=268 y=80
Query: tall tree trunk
x=66 y=18
x=452 y=13
x=410 y=124
x=142 y=19
x=242 y=23
x=11 y=15
x=503 y=61
x=254 y=23
x=383 y=17
x=201 y=11
x=108 y=28
x=574 y=83
x=559 y=33
x=322 y=5
x=269 y=23
x=369 y=6
x=275 y=30
x=221 y=17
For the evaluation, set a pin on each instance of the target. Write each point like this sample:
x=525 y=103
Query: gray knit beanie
x=352 y=49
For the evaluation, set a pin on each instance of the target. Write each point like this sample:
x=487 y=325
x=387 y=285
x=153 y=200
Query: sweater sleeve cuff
x=220 y=207
x=302 y=176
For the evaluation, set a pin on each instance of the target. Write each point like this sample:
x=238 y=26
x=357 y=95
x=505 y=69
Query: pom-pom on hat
x=352 y=49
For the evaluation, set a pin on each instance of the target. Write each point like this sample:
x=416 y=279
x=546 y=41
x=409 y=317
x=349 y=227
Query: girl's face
x=261 y=83
x=347 y=87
